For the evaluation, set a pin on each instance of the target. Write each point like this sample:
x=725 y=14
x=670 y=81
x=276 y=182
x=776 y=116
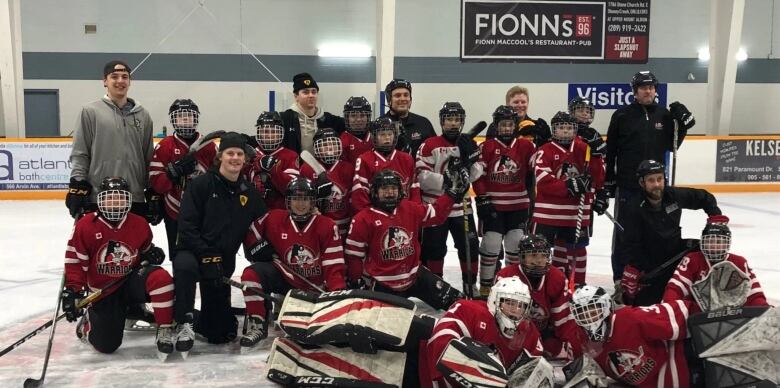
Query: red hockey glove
x=719 y=219
x=630 y=282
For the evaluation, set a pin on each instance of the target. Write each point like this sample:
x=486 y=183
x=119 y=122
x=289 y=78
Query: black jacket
x=415 y=129
x=215 y=214
x=638 y=132
x=292 y=134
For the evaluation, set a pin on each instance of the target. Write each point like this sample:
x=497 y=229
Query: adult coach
x=113 y=137
x=304 y=117
x=414 y=128
x=535 y=130
x=642 y=130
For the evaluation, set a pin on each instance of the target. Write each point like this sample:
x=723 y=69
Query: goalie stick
x=251 y=290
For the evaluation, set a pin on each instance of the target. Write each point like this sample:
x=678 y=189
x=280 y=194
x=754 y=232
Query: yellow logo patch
x=243 y=199
x=307 y=82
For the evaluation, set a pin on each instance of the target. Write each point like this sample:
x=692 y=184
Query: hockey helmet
x=564 y=128
x=299 y=191
x=451 y=110
x=534 y=244
x=357 y=114
x=379 y=131
x=507 y=132
x=715 y=242
x=582 y=110
x=648 y=167
x=509 y=302
x=591 y=307
x=327 y=146
x=185 y=116
x=397 y=83
x=270 y=131
x=114 y=198
x=386 y=178
x=643 y=78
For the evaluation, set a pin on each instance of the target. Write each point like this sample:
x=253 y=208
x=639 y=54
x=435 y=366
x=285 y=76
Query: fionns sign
x=571 y=31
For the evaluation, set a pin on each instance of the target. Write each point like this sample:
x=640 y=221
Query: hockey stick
x=476 y=129
x=250 y=290
x=313 y=162
x=197 y=146
x=91 y=298
x=614 y=221
x=578 y=229
x=674 y=151
x=665 y=265
x=467 y=248
x=299 y=276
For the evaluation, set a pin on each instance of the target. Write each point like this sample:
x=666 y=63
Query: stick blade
x=33 y=383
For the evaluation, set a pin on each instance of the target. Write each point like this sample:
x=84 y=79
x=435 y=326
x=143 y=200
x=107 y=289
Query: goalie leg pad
x=472 y=364
x=434 y=291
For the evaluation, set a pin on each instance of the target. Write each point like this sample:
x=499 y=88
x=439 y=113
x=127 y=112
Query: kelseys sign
x=571 y=31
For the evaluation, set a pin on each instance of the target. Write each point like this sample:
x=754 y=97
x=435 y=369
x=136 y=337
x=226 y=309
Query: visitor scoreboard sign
x=571 y=31
x=752 y=160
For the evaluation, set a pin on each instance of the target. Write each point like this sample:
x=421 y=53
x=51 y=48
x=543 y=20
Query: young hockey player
x=584 y=112
x=384 y=135
x=637 y=346
x=549 y=289
x=310 y=256
x=697 y=270
x=502 y=197
x=356 y=140
x=383 y=248
x=110 y=244
x=173 y=165
x=566 y=174
x=333 y=186
x=501 y=322
x=274 y=165
x=437 y=154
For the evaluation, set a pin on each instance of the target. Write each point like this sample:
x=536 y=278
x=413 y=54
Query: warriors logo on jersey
x=568 y=170
x=505 y=171
x=115 y=259
x=396 y=244
x=539 y=315
x=630 y=366
x=335 y=201
x=302 y=260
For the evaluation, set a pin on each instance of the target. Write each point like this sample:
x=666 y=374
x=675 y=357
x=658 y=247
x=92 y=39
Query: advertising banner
x=31 y=165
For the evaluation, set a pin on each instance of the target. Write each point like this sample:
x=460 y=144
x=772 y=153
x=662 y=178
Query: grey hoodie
x=308 y=126
x=109 y=141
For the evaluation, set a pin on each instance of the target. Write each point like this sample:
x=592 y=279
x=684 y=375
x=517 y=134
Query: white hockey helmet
x=509 y=301
x=591 y=307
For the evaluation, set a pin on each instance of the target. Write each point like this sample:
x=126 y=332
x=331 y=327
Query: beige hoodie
x=308 y=126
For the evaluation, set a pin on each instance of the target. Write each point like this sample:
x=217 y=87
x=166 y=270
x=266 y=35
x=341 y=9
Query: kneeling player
x=501 y=322
x=383 y=249
x=109 y=245
x=311 y=256
x=550 y=293
x=638 y=346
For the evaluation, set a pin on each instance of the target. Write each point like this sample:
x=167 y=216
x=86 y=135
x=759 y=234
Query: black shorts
x=506 y=221
x=566 y=233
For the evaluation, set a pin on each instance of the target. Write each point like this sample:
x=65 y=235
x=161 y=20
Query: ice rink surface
x=33 y=236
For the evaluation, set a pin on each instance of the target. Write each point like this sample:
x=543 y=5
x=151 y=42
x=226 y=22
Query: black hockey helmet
x=270 y=130
x=531 y=244
x=451 y=109
x=560 y=132
x=386 y=177
x=586 y=109
x=114 y=198
x=397 y=83
x=185 y=116
x=647 y=167
x=715 y=242
x=327 y=146
x=359 y=109
x=381 y=124
x=505 y=112
x=643 y=78
x=300 y=188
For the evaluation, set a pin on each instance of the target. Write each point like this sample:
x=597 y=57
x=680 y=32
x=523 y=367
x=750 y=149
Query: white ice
x=33 y=235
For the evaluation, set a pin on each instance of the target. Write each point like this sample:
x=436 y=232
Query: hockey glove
x=359 y=340
x=601 y=202
x=181 y=168
x=719 y=219
x=154 y=211
x=630 y=283
x=77 y=198
x=153 y=256
x=261 y=252
x=267 y=163
x=211 y=268
x=578 y=185
x=682 y=115
x=69 y=299
x=456 y=183
x=324 y=187
x=597 y=146
x=610 y=188
x=485 y=208
x=468 y=149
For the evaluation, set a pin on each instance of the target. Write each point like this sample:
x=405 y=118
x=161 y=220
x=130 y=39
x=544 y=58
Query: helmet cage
x=185 y=122
x=114 y=204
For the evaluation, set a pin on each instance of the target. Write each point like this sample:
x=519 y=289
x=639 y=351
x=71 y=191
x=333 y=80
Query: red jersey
x=313 y=252
x=553 y=165
x=433 y=159
x=169 y=150
x=337 y=207
x=645 y=346
x=502 y=173
x=371 y=163
x=385 y=248
x=99 y=252
x=471 y=318
x=280 y=175
x=550 y=309
x=695 y=267
x=352 y=146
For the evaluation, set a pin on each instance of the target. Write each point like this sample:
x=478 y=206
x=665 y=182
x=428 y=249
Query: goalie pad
x=531 y=372
x=584 y=372
x=360 y=318
x=295 y=365
x=472 y=364
x=435 y=291
x=725 y=286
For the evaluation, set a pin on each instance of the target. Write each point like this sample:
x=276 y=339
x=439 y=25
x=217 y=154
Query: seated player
x=274 y=165
x=310 y=256
x=383 y=248
x=696 y=271
x=550 y=296
x=356 y=140
x=501 y=322
x=110 y=244
x=637 y=346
